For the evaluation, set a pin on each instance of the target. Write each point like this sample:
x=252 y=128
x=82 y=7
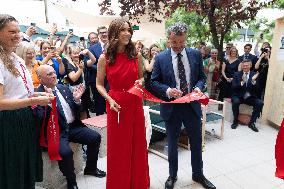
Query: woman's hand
x=138 y=82
x=113 y=105
x=255 y=76
x=85 y=51
x=229 y=80
x=41 y=100
x=48 y=94
x=80 y=65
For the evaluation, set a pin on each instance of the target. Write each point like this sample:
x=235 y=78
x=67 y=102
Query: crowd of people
x=95 y=77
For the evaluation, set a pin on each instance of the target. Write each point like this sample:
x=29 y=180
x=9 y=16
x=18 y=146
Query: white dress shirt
x=65 y=106
x=185 y=62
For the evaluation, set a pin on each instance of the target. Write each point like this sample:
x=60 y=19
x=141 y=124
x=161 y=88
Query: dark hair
x=247 y=60
x=101 y=27
x=92 y=33
x=150 y=48
x=248 y=44
x=113 y=31
x=7 y=61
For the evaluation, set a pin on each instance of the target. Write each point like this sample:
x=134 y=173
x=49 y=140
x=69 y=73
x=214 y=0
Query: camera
x=70 y=30
x=33 y=24
x=52 y=49
x=264 y=50
x=81 y=57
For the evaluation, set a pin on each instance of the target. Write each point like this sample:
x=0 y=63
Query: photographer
x=262 y=66
x=77 y=63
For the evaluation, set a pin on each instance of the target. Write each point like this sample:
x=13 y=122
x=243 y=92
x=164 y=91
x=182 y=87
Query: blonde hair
x=22 y=49
x=71 y=48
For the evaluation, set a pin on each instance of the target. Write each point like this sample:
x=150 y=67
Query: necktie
x=58 y=104
x=182 y=77
x=246 y=79
x=246 y=56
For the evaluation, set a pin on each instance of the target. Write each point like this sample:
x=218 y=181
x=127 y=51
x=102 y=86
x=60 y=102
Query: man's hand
x=197 y=90
x=78 y=92
x=175 y=93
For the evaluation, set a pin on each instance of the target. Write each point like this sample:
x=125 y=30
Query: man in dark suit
x=178 y=71
x=248 y=56
x=244 y=88
x=97 y=49
x=71 y=127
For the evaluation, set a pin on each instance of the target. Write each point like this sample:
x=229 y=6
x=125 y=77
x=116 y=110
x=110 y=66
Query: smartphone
x=33 y=24
x=81 y=57
x=52 y=49
x=82 y=38
x=71 y=30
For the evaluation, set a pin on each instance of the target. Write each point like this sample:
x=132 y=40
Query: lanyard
x=24 y=78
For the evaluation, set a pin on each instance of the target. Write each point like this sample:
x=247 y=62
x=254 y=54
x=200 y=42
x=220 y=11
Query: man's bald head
x=47 y=75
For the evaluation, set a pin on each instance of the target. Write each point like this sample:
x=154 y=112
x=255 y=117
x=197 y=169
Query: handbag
x=215 y=76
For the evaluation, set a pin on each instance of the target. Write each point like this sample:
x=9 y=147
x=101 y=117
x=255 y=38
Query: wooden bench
x=52 y=176
x=99 y=124
x=245 y=112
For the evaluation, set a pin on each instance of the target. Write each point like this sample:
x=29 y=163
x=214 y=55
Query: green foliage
x=198 y=29
x=262 y=25
x=279 y=4
x=162 y=44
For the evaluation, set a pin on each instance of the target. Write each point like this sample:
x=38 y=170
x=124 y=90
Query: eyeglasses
x=103 y=32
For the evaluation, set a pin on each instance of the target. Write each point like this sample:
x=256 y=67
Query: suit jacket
x=163 y=78
x=251 y=57
x=97 y=50
x=68 y=96
x=240 y=91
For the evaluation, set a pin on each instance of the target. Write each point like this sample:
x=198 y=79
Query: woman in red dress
x=127 y=158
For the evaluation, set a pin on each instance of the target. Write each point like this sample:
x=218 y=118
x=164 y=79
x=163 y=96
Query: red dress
x=127 y=157
x=279 y=153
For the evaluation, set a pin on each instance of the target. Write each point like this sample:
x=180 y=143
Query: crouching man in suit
x=71 y=127
x=244 y=88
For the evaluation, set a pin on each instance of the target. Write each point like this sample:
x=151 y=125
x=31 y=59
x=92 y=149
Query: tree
x=198 y=29
x=262 y=25
x=222 y=15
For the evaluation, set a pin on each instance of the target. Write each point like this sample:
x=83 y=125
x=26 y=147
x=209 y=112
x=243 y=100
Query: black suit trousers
x=184 y=114
x=251 y=101
x=78 y=133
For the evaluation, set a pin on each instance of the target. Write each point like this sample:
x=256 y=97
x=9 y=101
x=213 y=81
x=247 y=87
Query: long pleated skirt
x=20 y=154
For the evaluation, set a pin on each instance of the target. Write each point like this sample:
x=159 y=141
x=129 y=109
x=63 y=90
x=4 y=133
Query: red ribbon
x=141 y=92
x=279 y=152
x=52 y=134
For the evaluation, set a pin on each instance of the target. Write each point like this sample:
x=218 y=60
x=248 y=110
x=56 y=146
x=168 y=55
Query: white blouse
x=14 y=87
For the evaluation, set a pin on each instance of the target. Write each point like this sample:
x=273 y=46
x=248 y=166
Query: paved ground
x=242 y=160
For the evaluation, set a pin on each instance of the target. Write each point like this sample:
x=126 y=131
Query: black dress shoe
x=96 y=173
x=253 y=127
x=72 y=186
x=170 y=182
x=234 y=125
x=204 y=182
